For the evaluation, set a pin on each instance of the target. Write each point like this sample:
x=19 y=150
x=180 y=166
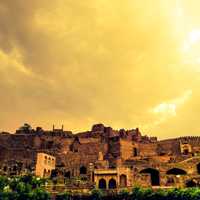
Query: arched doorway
x=54 y=173
x=191 y=183
x=45 y=173
x=135 y=152
x=67 y=174
x=123 y=180
x=112 y=184
x=198 y=168
x=5 y=168
x=83 y=170
x=14 y=168
x=155 y=175
x=102 y=184
x=185 y=151
x=176 y=171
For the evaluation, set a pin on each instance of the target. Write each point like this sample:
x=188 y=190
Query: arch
x=67 y=174
x=54 y=173
x=198 y=168
x=155 y=175
x=5 y=168
x=186 y=151
x=112 y=184
x=191 y=183
x=102 y=184
x=45 y=160
x=83 y=170
x=123 y=180
x=135 y=152
x=44 y=173
x=49 y=160
x=176 y=171
x=15 y=168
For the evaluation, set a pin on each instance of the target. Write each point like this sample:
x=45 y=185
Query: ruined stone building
x=105 y=157
x=45 y=164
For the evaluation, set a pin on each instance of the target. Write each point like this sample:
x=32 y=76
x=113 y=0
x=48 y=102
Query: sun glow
x=192 y=39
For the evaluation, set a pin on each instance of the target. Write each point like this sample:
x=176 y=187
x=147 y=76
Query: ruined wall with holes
x=118 y=148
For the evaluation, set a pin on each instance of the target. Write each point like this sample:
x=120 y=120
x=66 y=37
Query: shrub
x=123 y=194
x=64 y=196
x=138 y=193
x=40 y=194
x=3 y=183
x=97 y=194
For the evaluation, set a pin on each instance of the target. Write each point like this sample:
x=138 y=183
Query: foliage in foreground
x=138 y=194
x=29 y=188
x=22 y=188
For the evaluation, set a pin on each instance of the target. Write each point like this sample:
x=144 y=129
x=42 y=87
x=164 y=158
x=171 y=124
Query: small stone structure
x=44 y=165
x=113 y=178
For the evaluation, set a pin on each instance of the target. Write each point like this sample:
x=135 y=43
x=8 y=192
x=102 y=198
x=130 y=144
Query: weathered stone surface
x=142 y=158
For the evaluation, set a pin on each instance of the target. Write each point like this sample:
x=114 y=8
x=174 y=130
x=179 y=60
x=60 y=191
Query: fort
x=102 y=157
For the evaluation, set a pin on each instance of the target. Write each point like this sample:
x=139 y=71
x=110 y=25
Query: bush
x=40 y=194
x=64 y=196
x=138 y=194
x=97 y=194
x=22 y=188
x=9 y=196
x=3 y=183
x=123 y=194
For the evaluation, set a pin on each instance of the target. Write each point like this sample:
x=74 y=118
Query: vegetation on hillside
x=31 y=188
x=22 y=188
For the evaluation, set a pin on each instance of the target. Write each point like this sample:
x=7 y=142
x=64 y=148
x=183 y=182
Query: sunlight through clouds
x=166 y=110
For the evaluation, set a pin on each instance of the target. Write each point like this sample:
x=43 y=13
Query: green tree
x=97 y=194
x=40 y=194
x=3 y=183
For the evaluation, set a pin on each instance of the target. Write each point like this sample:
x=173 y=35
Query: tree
x=3 y=183
x=97 y=194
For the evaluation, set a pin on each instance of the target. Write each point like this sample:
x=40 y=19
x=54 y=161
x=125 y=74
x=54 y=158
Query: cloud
x=81 y=62
x=166 y=110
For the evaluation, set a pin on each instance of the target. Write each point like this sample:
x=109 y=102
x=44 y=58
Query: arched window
x=155 y=175
x=5 y=168
x=67 y=174
x=185 y=151
x=83 y=170
x=102 y=184
x=45 y=160
x=123 y=180
x=54 y=173
x=49 y=161
x=112 y=184
x=198 y=168
x=45 y=173
x=135 y=152
x=191 y=183
x=176 y=171
x=14 y=168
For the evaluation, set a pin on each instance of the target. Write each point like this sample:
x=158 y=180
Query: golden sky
x=130 y=63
